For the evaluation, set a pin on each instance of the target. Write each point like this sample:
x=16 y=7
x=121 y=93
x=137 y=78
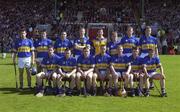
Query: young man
x=102 y=62
x=41 y=48
x=129 y=41
x=80 y=43
x=120 y=68
x=98 y=42
x=85 y=69
x=49 y=65
x=67 y=69
x=147 y=42
x=25 y=52
x=61 y=44
x=113 y=44
x=150 y=64
x=136 y=69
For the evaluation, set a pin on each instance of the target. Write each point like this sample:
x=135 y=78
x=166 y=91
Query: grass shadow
x=25 y=91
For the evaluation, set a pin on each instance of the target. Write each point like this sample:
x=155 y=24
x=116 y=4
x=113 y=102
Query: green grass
x=13 y=101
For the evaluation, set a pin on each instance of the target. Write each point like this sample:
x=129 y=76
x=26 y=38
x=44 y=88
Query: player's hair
x=103 y=45
x=128 y=26
x=86 y=48
x=119 y=46
x=135 y=48
x=147 y=27
x=67 y=49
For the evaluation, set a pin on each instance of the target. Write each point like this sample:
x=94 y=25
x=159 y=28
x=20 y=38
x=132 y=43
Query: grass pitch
x=14 y=101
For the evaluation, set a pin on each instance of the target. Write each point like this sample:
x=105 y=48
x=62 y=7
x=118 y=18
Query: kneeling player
x=86 y=65
x=49 y=65
x=67 y=70
x=151 y=63
x=119 y=69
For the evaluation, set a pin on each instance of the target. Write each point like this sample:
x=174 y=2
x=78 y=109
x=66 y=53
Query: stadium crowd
x=162 y=15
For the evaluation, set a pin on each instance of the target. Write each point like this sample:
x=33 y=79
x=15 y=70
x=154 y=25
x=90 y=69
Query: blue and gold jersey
x=67 y=65
x=61 y=45
x=81 y=42
x=41 y=47
x=147 y=43
x=128 y=43
x=119 y=63
x=112 y=46
x=136 y=64
x=97 y=43
x=102 y=62
x=50 y=63
x=23 y=47
x=151 y=63
x=86 y=63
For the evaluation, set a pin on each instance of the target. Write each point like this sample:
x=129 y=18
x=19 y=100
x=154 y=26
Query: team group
x=118 y=61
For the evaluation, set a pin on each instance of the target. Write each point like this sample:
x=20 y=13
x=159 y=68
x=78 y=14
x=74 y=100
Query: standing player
x=80 y=43
x=25 y=52
x=41 y=48
x=113 y=44
x=120 y=68
x=129 y=41
x=49 y=65
x=98 y=42
x=102 y=62
x=151 y=64
x=61 y=44
x=86 y=65
x=147 y=42
x=67 y=69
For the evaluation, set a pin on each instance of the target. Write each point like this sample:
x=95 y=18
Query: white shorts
x=128 y=54
x=39 y=60
x=152 y=74
x=120 y=74
x=24 y=62
x=103 y=73
x=144 y=55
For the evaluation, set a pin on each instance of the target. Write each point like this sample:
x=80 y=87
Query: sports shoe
x=164 y=94
x=20 y=89
x=40 y=94
x=132 y=93
x=146 y=94
x=106 y=94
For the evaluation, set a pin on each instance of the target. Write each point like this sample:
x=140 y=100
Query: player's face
x=51 y=51
x=68 y=54
x=151 y=52
x=63 y=34
x=43 y=34
x=100 y=32
x=148 y=31
x=120 y=50
x=86 y=52
x=23 y=34
x=130 y=31
x=103 y=49
x=82 y=32
x=135 y=52
x=114 y=36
